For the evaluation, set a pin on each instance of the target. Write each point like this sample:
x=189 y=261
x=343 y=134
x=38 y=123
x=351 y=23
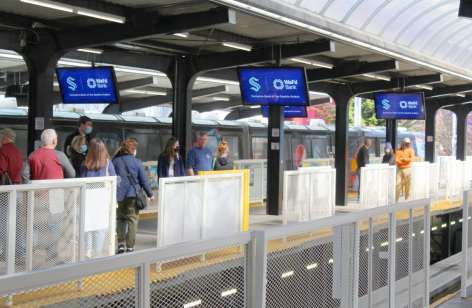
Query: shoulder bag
x=141 y=198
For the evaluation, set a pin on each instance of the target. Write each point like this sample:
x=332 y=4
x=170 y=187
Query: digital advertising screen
x=401 y=106
x=284 y=86
x=289 y=111
x=87 y=85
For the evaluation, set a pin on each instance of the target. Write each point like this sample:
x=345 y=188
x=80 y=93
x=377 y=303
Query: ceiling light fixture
x=73 y=63
x=50 y=5
x=77 y=10
x=377 y=76
x=215 y=80
x=460 y=94
x=101 y=15
x=424 y=87
x=343 y=38
x=146 y=92
x=318 y=93
x=313 y=62
x=220 y=98
x=11 y=55
x=91 y=50
x=182 y=34
x=237 y=46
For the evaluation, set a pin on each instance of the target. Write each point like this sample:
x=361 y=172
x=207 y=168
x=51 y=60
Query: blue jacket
x=125 y=189
x=86 y=173
x=163 y=167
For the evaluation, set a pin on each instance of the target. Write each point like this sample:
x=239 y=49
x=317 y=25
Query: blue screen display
x=87 y=85
x=285 y=86
x=403 y=106
x=289 y=111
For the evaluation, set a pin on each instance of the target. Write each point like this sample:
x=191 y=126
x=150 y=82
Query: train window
x=149 y=143
x=259 y=147
x=319 y=147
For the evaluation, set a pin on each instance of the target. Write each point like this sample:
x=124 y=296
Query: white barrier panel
x=420 y=185
x=199 y=207
x=317 y=162
x=309 y=194
x=434 y=180
x=52 y=222
x=443 y=164
x=377 y=185
x=466 y=174
x=258 y=177
x=452 y=176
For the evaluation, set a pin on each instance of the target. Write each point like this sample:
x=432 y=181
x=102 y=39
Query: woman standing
x=133 y=179
x=389 y=157
x=223 y=160
x=169 y=163
x=97 y=163
x=77 y=152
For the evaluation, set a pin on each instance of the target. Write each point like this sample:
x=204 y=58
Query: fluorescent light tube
x=11 y=56
x=377 y=76
x=215 y=80
x=318 y=93
x=73 y=63
x=146 y=92
x=237 y=46
x=229 y=292
x=460 y=94
x=138 y=71
x=424 y=87
x=220 y=98
x=287 y=274
x=51 y=5
x=193 y=304
x=101 y=15
x=91 y=50
x=183 y=34
x=313 y=62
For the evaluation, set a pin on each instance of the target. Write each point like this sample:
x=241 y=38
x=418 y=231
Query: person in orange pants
x=403 y=158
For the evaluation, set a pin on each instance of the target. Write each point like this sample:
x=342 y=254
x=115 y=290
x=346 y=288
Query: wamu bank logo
x=71 y=83
x=386 y=104
x=255 y=85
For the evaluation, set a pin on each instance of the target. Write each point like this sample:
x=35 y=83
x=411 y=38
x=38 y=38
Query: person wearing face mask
x=77 y=152
x=170 y=163
x=85 y=129
x=389 y=156
x=132 y=179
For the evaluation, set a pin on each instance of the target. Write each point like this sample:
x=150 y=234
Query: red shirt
x=45 y=165
x=11 y=161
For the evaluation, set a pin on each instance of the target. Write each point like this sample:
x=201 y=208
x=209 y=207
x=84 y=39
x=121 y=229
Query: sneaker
x=121 y=249
x=129 y=249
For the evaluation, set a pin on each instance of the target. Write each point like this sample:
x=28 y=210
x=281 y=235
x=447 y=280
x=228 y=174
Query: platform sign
x=87 y=85
x=289 y=111
x=401 y=106
x=284 y=86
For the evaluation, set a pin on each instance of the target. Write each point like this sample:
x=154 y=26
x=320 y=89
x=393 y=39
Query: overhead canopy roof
x=418 y=33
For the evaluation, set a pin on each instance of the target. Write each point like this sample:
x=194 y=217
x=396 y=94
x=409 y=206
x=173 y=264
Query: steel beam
x=15 y=21
x=9 y=40
x=350 y=68
x=260 y=55
x=130 y=84
x=448 y=90
x=143 y=28
x=380 y=85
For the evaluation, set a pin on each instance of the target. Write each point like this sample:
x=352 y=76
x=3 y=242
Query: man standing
x=363 y=155
x=46 y=163
x=200 y=157
x=85 y=129
x=404 y=157
x=11 y=158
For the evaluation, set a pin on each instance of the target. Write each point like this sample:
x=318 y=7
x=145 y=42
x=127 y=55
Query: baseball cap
x=407 y=140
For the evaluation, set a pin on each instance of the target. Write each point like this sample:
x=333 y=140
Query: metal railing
x=372 y=258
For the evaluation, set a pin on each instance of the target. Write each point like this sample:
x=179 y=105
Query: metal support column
x=41 y=63
x=391 y=132
x=430 y=127
x=275 y=154
x=341 y=160
x=461 y=132
x=182 y=77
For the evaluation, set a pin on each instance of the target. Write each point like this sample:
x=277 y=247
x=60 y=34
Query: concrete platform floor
x=457 y=302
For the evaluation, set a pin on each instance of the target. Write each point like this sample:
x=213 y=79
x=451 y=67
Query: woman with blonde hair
x=97 y=163
x=77 y=152
x=130 y=194
x=223 y=160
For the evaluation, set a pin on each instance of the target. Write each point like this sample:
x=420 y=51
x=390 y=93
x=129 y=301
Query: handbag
x=141 y=198
x=5 y=179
